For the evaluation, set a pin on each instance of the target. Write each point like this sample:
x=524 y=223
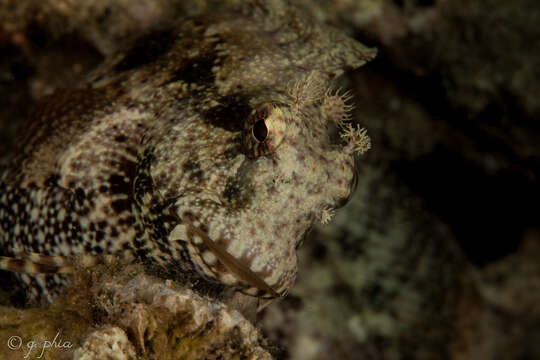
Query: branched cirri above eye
x=264 y=130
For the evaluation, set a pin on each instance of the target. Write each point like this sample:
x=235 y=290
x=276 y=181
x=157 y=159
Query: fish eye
x=264 y=130
x=260 y=131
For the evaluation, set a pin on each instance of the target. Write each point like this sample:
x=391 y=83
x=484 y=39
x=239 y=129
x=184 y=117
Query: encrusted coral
x=129 y=316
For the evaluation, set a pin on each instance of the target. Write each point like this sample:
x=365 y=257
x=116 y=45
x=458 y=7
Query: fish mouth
x=202 y=242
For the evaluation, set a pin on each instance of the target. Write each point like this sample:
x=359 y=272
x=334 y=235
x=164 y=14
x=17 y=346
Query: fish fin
x=34 y=263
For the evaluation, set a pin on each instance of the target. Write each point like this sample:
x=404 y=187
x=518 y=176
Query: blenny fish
x=210 y=146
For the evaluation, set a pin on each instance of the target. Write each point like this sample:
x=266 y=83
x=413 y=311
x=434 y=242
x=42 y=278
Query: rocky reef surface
x=118 y=312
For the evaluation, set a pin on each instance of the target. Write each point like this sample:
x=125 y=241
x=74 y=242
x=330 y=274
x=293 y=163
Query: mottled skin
x=211 y=146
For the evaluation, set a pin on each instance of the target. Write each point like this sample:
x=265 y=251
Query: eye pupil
x=260 y=131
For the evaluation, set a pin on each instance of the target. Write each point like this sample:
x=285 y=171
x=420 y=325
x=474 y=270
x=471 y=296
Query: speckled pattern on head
x=212 y=146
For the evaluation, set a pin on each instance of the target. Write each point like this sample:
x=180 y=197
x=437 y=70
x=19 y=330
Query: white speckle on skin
x=179 y=233
x=196 y=239
x=209 y=258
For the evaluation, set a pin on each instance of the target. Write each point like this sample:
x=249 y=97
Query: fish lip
x=235 y=266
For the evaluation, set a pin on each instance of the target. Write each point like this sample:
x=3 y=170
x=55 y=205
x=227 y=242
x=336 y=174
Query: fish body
x=211 y=146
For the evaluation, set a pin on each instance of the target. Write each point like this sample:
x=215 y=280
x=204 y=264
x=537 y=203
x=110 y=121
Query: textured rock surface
x=163 y=323
x=129 y=316
x=108 y=343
